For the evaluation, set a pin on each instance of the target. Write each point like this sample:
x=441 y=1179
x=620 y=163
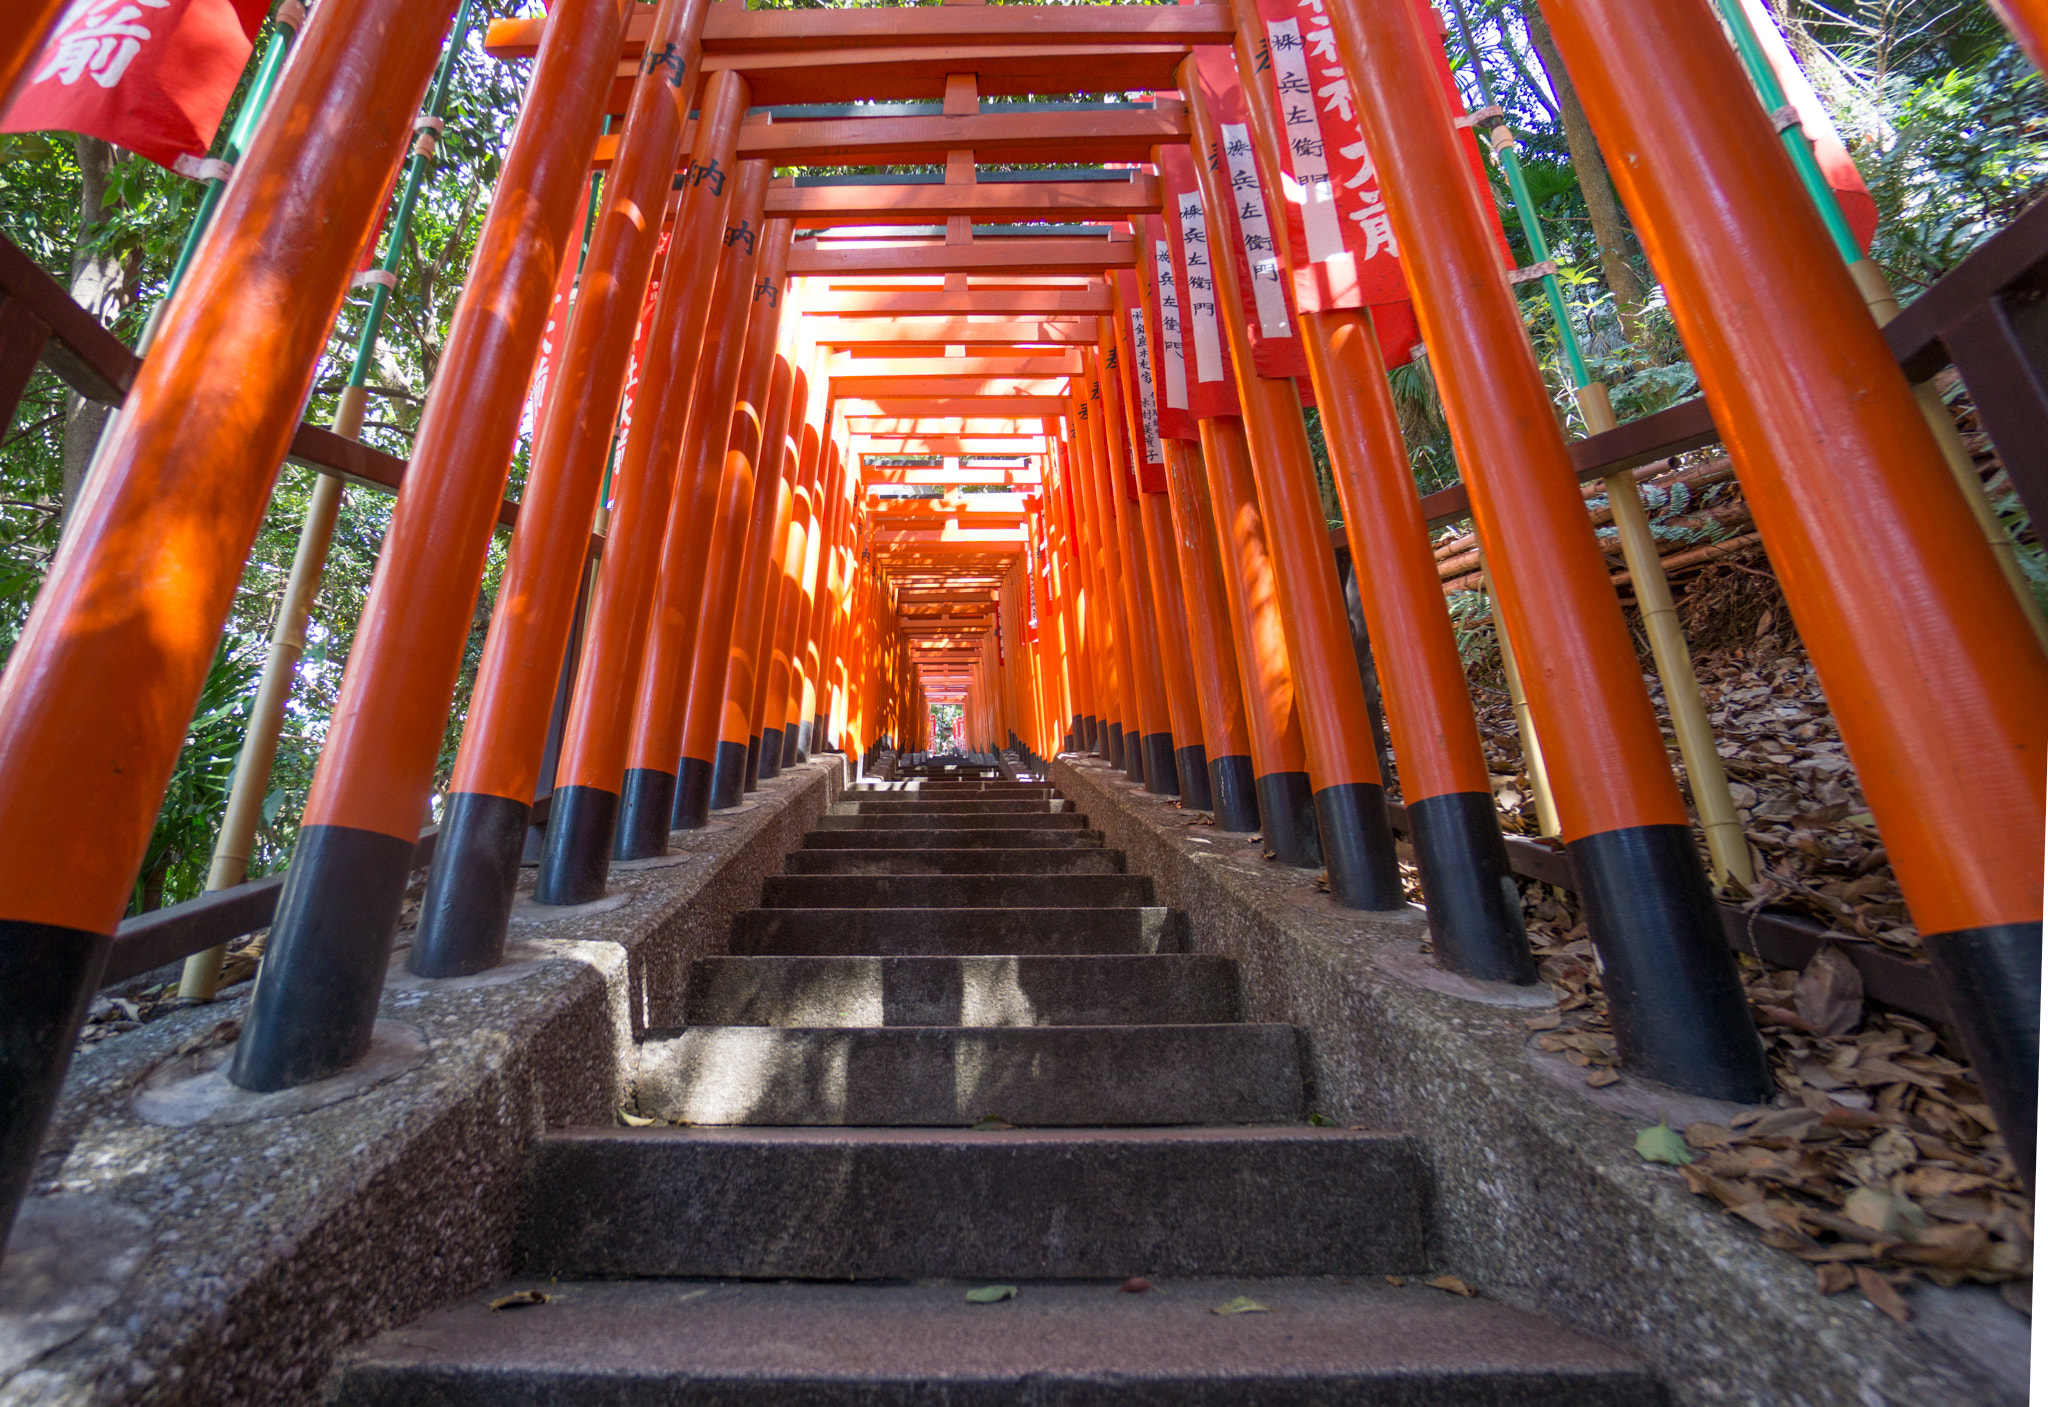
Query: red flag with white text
x=154 y=76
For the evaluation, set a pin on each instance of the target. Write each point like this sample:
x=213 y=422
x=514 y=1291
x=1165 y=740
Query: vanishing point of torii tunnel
x=1029 y=440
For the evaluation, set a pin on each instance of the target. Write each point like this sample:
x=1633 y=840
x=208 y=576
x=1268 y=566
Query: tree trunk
x=1609 y=225
x=102 y=283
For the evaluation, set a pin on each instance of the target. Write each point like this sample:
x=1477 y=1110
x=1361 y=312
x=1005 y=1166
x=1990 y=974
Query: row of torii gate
x=767 y=586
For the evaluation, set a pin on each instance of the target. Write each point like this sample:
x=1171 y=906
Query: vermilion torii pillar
x=1933 y=674
x=1678 y=1011
x=316 y=996
x=1343 y=764
x=159 y=537
x=739 y=744
x=704 y=720
x=468 y=900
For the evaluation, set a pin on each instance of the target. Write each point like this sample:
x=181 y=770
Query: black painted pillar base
x=1191 y=764
x=729 y=775
x=1358 y=846
x=693 y=796
x=48 y=974
x=1134 y=755
x=315 y=1003
x=796 y=744
x=1674 y=999
x=754 y=762
x=1115 y=754
x=821 y=734
x=1233 y=793
x=771 y=754
x=470 y=885
x=647 y=797
x=1475 y=910
x=578 y=857
x=1162 y=775
x=1287 y=814
x=1077 y=740
x=1991 y=979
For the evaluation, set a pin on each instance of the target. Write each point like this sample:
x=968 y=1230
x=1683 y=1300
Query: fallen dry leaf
x=1243 y=1304
x=1833 y=1278
x=520 y=1300
x=1881 y=1292
x=1136 y=1285
x=1396 y=1281
x=1452 y=1284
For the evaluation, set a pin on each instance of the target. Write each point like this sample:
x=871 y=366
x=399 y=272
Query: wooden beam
x=1006 y=255
x=949 y=536
x=951 y=403
x=990 y=202
x=734 y=29
x=868 y=422
x=1092 y=137
x=914 y=73
x=977 y=368
x=953 y=478
x=949 y=332
x=945 y=302
x=1002 y=446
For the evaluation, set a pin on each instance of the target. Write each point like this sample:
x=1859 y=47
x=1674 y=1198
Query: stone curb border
x=266 y=1246
x=1541 y=1200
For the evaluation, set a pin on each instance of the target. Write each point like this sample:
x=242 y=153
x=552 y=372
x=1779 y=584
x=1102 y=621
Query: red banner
x=1211 y=391
x=153 y=76
x=1828 y=152
x=1336 y=217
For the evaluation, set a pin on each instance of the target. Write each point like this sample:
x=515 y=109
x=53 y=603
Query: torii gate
x=756 y=596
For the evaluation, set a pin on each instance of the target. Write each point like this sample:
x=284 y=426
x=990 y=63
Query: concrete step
x=991 y=790
x=946 y=806
x=957 y=891
x=1064 y=860
x=869 y=1204
x=953 y=1076
x=981 y=838
x=969 y=821
x=946 y=991
x=660 y=1343
x=954 y=932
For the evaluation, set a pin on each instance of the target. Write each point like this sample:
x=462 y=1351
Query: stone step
x=981 y=838
x=946 y=806
x=658 y=1343
x=867 y=1204
x=970 y=821
x=957 y=891
x=955 y=932
x=953 y=1076
x=1063 y=860
x=948 y=991
x=967 y=789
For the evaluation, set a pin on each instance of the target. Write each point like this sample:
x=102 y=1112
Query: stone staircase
x=957 y=1045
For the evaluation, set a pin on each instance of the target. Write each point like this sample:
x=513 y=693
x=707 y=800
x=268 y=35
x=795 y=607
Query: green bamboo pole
x=1884 y=306
x=237 y=837
x=286 y=22
x=1727 y=847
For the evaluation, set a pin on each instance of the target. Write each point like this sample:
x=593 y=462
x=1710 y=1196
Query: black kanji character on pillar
x=670 y=59
x=742 y=231
x=767 y=287
x=711 y=173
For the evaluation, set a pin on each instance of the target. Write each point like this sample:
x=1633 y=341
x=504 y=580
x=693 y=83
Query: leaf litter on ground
x=1878 y=1162
x=1243 y=1304
x=992 y=1294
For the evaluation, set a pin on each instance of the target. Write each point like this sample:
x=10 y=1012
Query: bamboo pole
x=1525 y=722
x=1883 y=304
x=237 y=838
x=1726 y=848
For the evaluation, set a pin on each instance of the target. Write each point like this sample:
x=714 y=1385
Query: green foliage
x=181 y=846
x=149 y=211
